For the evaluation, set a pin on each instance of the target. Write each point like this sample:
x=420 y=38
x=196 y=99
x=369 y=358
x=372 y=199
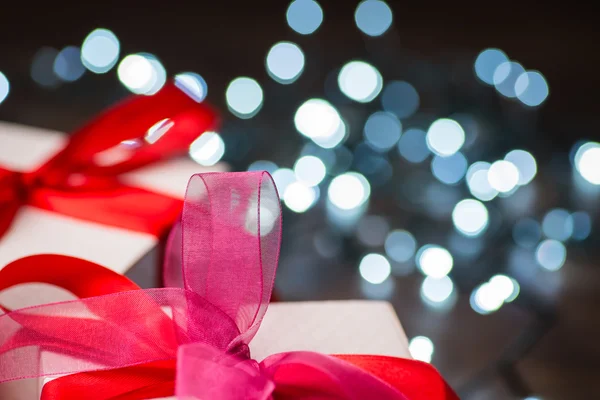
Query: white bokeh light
x=531 y=88
x=310 y=170
x=470 y=217
x=360 y=81
x=434 y=261
x=449 y=170
x=192 y=84
x=503 y=176
x=487 y=298
x=283 y=177
x=142 y=73
x=374 y=268
x=244 y=97
x=505 y=287
x=373 y=17
x=551 y=254
x=558 y=224
x=486 y=63
x=587 y=162
x=100 y=51
x=525 y=163
x=334 y=139
x=316 y=118
x=445 y=137
x=285 y=62
x=478 y=183
x=4 y=87
x=349 y=191
x=421 y=348
x=299 y=197
x=208 y=149
x=304 y=16
x=437 y=290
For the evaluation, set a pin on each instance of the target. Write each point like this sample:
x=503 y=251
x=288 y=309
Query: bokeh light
x=503 y=176
x=551 y=254
x=310 y=170
x=372 y=230
x=587 y=162
x=285 y=62
x=374 y=268
x=317 y=118
x=400 y=98
x=349 y=191
x=486 y=63
x=478 y=183
x=413 y=146
x=193 y=84
x=400 y=245
x=283 y=177
x=142 y=73
x=244 y=97
x=67 y=64
x=449 y=170
x=505 y=78
x=558 y=224
x=421 y=348
x=531 y=88
x=527 y=233
x=208 y=149
x=470 y=217
x=42 y=67
x=304 y=16
x=506 y=287
x=100 y=51
x=445 y=137
x=4 y=87
x=582 y=225
x=434 y=261
x=436 y=290
x=360 y=81
x=263 y=165
x=487 y=298
x=299 y=197
x=382 y=130
x=373 y=17
x=525 y=163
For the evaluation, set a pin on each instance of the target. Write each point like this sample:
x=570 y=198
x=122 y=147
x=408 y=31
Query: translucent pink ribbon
x=220 y=268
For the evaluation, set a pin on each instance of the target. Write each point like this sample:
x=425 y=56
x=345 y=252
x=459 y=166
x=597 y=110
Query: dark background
x=547 y=342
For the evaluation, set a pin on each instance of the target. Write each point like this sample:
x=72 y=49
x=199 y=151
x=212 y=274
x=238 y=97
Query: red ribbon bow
x=82 y=180
x=191 y=338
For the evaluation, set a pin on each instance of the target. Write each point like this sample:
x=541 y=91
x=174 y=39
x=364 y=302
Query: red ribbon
x=82 y=180
x=191 y=338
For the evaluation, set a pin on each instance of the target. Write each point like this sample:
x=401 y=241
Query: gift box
x=116 y=156
x=203 y=335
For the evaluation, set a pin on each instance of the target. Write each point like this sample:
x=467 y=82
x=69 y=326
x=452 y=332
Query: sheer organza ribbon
x=83 y=180
x=191 y=338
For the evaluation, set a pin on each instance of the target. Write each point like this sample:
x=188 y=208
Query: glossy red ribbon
x=191 y=339
x=82 y=180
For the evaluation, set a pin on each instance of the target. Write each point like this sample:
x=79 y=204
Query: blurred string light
x=372 y=230
x=445 y=137
x=486 y=63
x=478 y=183
x=436 y=291
x=558 y=224
x=42 y=67
x=360 y=81
x=67 y=64
x=299 y=197
x=4 y=87
x=304 y=16
x=318 y=120
x=285 y=62
x=374 y=268
x=587 y=162
x=373 y=17
x=413 y=146
x=310 y=170
x=531 y=88
x=263 y=165
x=527 y=233
x=525 y=163
x=349 y=191
x=551 y=254
x=505 y=78
x=400 y=245
x=382 y=131
x=142 y=73
x=421 y=348
x=434 y=261
x=100 y=51
x=449 y=170
x=193 y=84
x=283 y=177
x=491 y=295
x=400 y=98
x=503 y=176
x=470 y=217
x=244 y=97
x=582 y=225
x=208 y=149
